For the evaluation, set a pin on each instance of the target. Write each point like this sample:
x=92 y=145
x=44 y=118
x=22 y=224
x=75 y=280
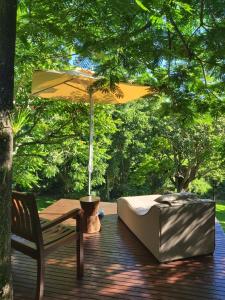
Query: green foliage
x=169 y=141
x=43 y=202
x=158 y=152
x=57 y=145
x=220 y=214
x=19 y=120
x=139 y=3
x=200 y=186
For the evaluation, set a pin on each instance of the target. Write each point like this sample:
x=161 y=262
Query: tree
x=7 y=50
x=130 y=143
x=53 y=137
x=188 y=151
x=175 y=46
x=157 y=148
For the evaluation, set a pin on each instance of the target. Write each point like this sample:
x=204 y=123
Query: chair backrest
x=25 y=218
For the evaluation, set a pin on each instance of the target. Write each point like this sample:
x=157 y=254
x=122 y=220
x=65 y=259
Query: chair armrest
x=75 y=213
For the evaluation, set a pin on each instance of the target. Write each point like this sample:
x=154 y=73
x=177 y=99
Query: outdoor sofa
x=172 y=226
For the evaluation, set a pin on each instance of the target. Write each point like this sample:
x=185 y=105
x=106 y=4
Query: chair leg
x=40 y=278
x=80 y=256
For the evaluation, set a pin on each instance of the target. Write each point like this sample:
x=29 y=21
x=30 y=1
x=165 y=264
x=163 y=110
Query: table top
x=63 y=206
x=90 y=199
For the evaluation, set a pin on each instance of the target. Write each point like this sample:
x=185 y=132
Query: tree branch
x=170 y=47
x=140 y=30
x=32 y=155
x=35 y=122
x=201 y=17
x=189 y=52
x=46 y=141
x=203 y=69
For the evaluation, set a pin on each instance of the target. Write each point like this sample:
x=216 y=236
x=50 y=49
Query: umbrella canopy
x=76 y=86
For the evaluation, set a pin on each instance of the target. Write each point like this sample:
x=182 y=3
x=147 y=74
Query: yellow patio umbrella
x=76 y=86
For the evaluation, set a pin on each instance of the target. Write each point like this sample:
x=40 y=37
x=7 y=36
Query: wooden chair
x=37 y=238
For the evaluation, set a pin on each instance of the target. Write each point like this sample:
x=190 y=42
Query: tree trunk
x=185 y=177
x=7 y=53
x=5 y=197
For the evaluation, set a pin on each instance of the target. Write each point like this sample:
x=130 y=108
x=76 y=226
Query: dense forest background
x=171 y=141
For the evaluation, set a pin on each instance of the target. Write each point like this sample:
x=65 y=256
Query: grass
x=220 y=214
x=43 y=202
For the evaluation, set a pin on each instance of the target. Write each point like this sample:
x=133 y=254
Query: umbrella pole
x=90 y=164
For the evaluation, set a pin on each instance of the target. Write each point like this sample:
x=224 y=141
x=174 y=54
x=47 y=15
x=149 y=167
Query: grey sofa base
x=173 y=232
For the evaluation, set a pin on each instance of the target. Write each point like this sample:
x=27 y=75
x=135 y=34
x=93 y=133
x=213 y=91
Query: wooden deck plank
x=118 y=266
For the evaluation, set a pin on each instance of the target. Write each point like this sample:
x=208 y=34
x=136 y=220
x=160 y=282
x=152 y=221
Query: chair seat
x=52 y=237
x=57 y=235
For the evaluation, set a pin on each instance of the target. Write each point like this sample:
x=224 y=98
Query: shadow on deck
x=118 y=266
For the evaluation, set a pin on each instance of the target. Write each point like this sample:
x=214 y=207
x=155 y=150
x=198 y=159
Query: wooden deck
x=117 y=266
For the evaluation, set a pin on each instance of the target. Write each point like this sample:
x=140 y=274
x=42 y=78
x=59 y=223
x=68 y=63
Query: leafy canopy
x=174 y=46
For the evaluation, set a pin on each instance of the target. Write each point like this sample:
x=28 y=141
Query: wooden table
x=90 y=206
x=62 y=206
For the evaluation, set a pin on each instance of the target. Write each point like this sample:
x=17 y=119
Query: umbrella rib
x=75 y=87
x=51 y=87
